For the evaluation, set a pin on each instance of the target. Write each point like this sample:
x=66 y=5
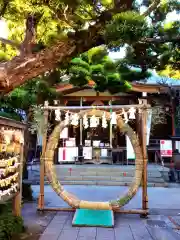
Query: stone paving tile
x=128 y=220
x=86 y=238
x=163 y=234
x=68 y=225
x=127 y=227
x=140 y=232
x=70 y=234
x=105 y=234
x=123 y=232
x=49 y=237
x=87 y=232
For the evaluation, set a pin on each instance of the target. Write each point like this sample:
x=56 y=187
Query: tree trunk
x=22 y=68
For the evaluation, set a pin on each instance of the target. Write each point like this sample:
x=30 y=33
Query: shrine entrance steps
x=104 y=175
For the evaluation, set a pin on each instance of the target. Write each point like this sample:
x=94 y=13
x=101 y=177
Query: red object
x=162 y=142
x=124 y=174
x=166 y=153
x=64 y=154
x=70 y=170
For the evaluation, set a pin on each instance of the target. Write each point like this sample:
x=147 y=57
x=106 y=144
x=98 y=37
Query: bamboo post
x=173 y=115
x=144 y=151
x=110 y=126
x=18 y=197
x=81 y=123
x=42 y=165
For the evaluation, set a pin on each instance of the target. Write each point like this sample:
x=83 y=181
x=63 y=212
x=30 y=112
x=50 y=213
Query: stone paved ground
x=127 y=227
x=163 y=202
x=159 y=197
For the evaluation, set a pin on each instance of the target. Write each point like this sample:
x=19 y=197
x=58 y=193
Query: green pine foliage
x=107 y=74
x=121 y=26
x=126 y=27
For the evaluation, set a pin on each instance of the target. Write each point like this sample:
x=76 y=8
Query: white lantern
x=46 y=103
x=67 y=118
x=113 y=118
x=75 y=119
x=57 y=115
x=104 y=121
x=85 y=122
x=55 y=102
x=132 y=112
x=93 y=122
x=125 y=115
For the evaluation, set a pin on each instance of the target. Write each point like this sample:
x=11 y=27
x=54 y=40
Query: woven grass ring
x=72 y=200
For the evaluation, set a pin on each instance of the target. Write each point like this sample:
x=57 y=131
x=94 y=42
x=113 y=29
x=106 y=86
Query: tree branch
x=151 y=8
x=10 y=42
x=126 y=4
x=30 y=34
x=160 y=40
x=4 y=7
x=22 y=68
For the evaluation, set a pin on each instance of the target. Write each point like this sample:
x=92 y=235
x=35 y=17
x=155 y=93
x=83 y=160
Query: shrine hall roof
x=154 y=84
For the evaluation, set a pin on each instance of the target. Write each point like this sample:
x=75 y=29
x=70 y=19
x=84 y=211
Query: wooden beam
x=10 y=123
x=69 y=209
x=136 y=87
x=148 y=88
x=102 y=98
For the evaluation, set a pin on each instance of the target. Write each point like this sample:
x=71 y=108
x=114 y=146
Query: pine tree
x=96 y=65
x=45 y=34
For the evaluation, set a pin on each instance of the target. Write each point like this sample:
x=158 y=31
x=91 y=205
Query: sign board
x=104 y=152
x=67 y=154
x=166 y=148
x=87 y=153
x=149 y=120
x=87 y=143
x=96 y=143
x=71 y=142
x=129 y=148
x=64 y=133
x=177 y=116
x=178 y=146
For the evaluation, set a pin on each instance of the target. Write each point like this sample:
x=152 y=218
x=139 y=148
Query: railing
x=158 y=158
x=154 y=142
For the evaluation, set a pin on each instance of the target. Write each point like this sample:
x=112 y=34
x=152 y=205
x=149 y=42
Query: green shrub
x=10 y=225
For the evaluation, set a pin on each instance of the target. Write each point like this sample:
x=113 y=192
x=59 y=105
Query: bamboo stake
x=110 y=126
x=95 y=107
x=66 y=209
x=81 y=123
x=144 y=150
x=42 y=165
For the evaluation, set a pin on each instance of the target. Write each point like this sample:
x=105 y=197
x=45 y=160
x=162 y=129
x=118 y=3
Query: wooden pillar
x=110 y=127
x=81 y=124
x=42 y=165
x=173 y=115
x=144 y=151
x=18 y=197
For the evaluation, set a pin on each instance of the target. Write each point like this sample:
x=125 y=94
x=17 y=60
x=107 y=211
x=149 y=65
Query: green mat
x=93 y=218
